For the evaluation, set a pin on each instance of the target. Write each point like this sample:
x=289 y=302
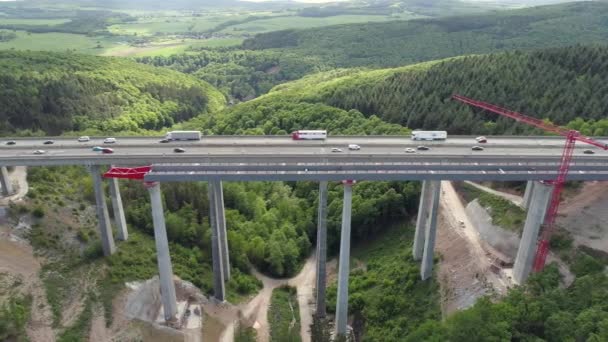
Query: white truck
x=429 y=135
x=183 y=135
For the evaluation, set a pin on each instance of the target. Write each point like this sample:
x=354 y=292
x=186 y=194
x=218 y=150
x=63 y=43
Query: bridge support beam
x=321 y=250
x=344 y=266
x=423 y=213
x=5 y=182
x=528 y=194
x=527 y=246
x=105 y=229
x=426 y=269
x=119 y=212
x=219 y=290
x=165 y=270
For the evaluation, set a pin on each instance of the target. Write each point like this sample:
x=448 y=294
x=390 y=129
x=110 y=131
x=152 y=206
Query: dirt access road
x=255 y=312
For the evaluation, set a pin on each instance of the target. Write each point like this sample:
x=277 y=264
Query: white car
x=410 y=150
x=39 y=152
x=335 y=149
x=84 y=138
x=109 y=140
x=481 y=139
x=354 y=147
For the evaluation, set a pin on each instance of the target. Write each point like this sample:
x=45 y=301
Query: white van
x=84 y=138
x=354 y=147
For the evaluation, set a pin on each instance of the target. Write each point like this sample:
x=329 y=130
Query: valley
x=141 y=68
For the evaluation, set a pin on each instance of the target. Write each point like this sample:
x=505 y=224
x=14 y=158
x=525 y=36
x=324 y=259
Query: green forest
x=565 y=85
x=59 y=92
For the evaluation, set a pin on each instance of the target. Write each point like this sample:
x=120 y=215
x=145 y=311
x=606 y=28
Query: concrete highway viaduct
x=218 y=159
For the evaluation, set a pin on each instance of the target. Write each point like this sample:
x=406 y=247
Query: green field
x=57 y=42
x=16 y=21
x=169 y=48
x=148 y=26
x=296 y=22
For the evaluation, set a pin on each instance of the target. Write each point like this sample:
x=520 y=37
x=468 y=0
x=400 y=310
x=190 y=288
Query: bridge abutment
x=426 y=269
x=5 y=182
x=321 y=250
x=540 y=196
x=165 y=269
x=105 y=229
x=344 y=262
x=118 y=210
x=219 y=290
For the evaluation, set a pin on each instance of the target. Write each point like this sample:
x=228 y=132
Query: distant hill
x=403 y=42
x=560 y=84
x=57 y=92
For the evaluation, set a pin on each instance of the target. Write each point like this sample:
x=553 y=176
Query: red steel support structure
x=571 y=137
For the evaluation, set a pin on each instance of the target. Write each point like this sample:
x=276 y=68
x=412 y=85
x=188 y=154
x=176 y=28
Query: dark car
x=164 y=141
x=49 y=142
x=11 y=142
x=477 y=148
x=179 y=150
x=107 y=150
x=588 y=152
x=423 y=148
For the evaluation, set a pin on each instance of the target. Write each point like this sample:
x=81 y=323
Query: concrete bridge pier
x=321 y=250
x=540 y=197
x=344 y=262
x=219 y=289
x=423 y=213
x=5 y=182
x=105 y=230
x=221 y=222
x=528 y=194
x=165 y=269
x=426 y=269
x=119 y=212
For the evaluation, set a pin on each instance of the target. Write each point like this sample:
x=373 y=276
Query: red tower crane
x=571 y=137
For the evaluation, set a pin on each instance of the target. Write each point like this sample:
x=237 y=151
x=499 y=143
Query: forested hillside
x=272 y=58
x=403 y=42
x=58 y=92
x=566 y=85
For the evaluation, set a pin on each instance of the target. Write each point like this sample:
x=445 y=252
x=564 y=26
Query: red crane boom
x=571 y=137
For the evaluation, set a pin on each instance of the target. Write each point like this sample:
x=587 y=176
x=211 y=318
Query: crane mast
x=558 y=183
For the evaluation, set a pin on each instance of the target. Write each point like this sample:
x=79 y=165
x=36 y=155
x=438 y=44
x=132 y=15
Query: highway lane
x=280 y=141
x=297 y=153
x=164 y=150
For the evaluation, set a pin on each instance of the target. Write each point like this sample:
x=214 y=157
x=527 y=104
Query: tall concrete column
x=119 y=212
x=344 y=267
x=321 y=249
x=219 y=289
x=528 y=194
x=426 y=269
x=165 y=270
x=105 y=230
x=5 y=182
x=423 y=213
x=221 y=222
x=527 y=245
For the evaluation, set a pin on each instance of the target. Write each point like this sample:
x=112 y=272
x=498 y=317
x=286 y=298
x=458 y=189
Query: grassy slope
x=402 y=42
x=284 y=315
